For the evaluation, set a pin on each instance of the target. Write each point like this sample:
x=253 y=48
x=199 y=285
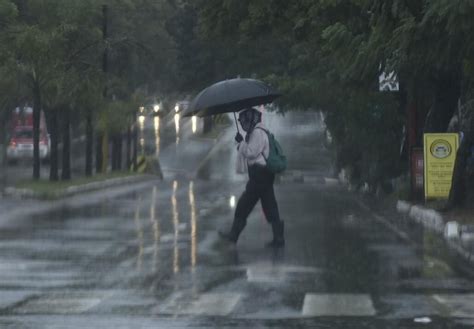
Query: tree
x=48 y=40
x=327 y=55
x=140 y=55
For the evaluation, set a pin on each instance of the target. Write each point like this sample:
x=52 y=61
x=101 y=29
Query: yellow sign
x=440 y=155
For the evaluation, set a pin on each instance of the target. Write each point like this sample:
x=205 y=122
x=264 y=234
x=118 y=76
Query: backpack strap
x=268 y=138
x=265 y=130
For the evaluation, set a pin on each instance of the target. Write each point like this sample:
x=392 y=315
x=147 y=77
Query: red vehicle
x=20 y=145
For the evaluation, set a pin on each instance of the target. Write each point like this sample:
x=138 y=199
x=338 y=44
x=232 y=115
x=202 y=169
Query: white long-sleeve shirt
x=256 y=149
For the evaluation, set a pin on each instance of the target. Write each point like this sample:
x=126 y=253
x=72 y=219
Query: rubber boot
x=278 y=241
x=233 y=235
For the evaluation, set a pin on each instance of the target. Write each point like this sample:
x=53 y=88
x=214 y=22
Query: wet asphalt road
x=151 y=258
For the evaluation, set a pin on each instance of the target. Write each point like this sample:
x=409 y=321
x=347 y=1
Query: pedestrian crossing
x=231 y=304
x=148 y=268
x=256 y=290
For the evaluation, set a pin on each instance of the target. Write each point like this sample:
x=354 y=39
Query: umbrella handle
x=235 y=118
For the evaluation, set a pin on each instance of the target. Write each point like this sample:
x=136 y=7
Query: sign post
x=440 y=156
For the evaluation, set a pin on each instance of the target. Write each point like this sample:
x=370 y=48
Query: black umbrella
x=231 y=96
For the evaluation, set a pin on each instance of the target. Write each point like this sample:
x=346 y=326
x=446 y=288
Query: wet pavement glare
x=151 y=258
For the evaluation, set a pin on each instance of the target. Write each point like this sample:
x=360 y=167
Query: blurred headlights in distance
x=141 y=122
x=194 y=124
x=176 y=122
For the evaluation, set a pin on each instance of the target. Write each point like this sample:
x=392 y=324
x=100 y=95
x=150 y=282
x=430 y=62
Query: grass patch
x=48 y=190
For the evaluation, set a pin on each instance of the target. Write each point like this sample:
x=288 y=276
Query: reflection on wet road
x=193 y=222
x=176 y=126
x=112 y=261
x=174 y=203
x=152 y=258
x=156 y=125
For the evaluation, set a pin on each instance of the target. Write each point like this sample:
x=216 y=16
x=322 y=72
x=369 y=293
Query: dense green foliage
x=82 y=62
x=101 y=58
x=327 y=55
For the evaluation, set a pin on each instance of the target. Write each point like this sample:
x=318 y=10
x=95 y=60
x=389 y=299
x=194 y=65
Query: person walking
x=253 y=151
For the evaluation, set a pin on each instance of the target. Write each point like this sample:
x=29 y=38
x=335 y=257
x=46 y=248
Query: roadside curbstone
x=428 y=218
x=452 y=232
x=19 y=192
x=403 y=207
x=22 y=193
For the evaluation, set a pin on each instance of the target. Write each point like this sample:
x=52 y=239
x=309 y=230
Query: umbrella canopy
x=231 y=96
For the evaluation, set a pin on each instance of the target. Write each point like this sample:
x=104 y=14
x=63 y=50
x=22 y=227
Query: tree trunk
x=53 y=157
x=114 y=152
x=119 y=151
x=128 y=150
x=3 y=156
x=36 y=127
x=457 y=194
x=89 y=142
x=105 y=138
x=98 y=153
x=105 y=152
x=447 y=93
x=66 y=172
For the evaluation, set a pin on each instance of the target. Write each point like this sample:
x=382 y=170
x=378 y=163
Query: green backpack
x=276 y=161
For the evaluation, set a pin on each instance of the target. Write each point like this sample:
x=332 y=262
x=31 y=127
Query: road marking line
x=337 y=305
x=458 y=305
x=256 y=274
x=212 y=304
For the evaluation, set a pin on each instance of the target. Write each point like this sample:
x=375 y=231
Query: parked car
x=20 y=145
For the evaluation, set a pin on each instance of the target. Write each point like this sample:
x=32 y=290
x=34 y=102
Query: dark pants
x=259 y=187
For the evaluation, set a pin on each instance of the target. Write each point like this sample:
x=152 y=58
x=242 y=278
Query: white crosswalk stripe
x=64 y=303
x=458 y=305
x=211 y=304
x=337 y=305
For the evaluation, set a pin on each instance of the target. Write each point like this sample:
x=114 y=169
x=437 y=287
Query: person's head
x=249 y=118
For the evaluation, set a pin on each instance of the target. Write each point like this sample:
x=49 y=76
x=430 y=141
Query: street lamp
x=156 y=108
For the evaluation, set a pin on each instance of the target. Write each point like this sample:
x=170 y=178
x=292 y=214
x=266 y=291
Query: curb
x=457 y=237
x=73 y=190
